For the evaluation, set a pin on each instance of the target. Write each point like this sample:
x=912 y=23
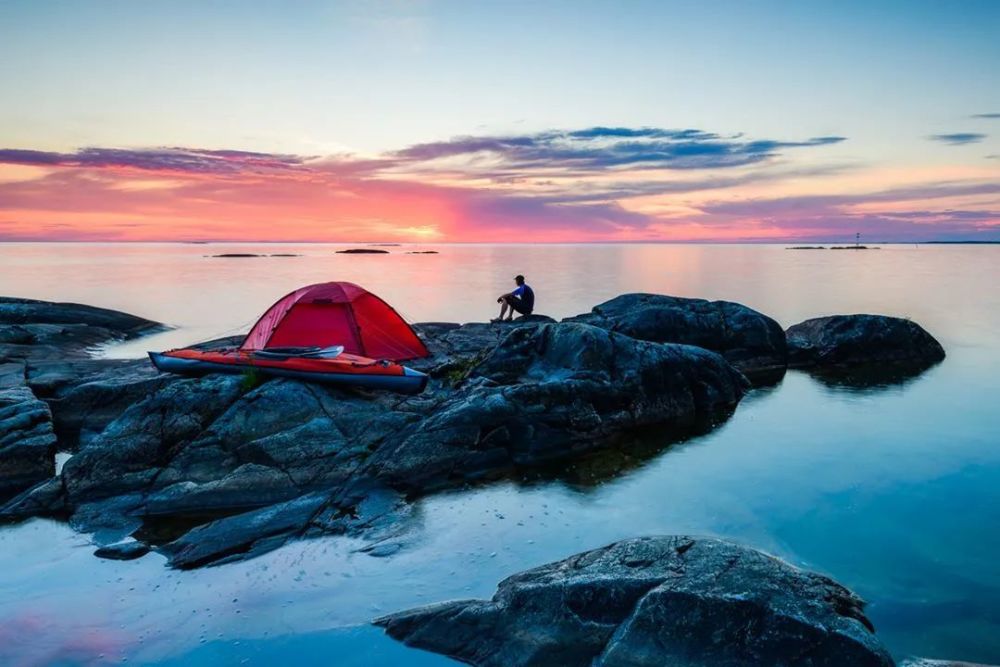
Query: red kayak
x=337 y=333
x=342 y=369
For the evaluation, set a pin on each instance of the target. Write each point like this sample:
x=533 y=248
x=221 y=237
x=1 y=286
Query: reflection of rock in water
x=767 y=379
x=869 y=377
x=630 y=454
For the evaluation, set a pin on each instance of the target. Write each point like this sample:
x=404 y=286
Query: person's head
x=519 y=280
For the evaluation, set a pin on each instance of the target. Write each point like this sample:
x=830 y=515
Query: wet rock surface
x=671 y=600
x=751 y=341
x=842 y=341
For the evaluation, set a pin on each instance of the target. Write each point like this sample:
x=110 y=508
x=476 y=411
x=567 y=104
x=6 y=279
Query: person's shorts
x=519 y=306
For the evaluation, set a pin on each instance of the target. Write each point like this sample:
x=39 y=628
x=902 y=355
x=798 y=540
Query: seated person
x=521 y=300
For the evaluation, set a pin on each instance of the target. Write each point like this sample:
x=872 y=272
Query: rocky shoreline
x=220 y=468
x=149 y=447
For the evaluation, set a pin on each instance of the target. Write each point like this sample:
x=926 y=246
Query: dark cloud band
x=958 y=138
x=599 y=148
x=202 y=161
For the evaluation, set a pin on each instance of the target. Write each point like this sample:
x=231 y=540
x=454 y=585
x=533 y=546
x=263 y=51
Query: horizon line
x=800 y=241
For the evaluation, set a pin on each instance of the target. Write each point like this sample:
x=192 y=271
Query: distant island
x=833 y=247
x=250 y=254
x=362 y=251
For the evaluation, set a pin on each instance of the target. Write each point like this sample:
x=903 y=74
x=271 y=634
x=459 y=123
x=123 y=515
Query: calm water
x=894 y=491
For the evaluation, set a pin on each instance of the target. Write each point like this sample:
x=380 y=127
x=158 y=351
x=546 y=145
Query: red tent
x=336 y=314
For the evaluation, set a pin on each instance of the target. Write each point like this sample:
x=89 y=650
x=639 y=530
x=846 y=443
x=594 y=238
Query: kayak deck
x=343 y=369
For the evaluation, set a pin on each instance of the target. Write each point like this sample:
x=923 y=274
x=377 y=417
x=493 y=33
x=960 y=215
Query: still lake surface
x=892 y=490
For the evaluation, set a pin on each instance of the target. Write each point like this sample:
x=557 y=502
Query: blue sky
x=328 y=78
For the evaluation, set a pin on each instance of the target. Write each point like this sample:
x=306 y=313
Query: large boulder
x=653 y=601
x=555 y=390
x=851 y=340
x=751 y=341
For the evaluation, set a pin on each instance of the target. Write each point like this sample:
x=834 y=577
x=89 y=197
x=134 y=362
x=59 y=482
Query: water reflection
x=631 y=453
x=890 y=487
x=766 y=378
x=868 y=378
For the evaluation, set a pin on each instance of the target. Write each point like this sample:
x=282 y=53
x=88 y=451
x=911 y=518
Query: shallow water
x=893 y=490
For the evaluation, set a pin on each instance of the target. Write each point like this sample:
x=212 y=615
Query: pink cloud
x=592 y=184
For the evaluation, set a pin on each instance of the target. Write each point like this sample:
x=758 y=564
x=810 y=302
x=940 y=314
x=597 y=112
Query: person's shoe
x=496 y=320
x=509 y=319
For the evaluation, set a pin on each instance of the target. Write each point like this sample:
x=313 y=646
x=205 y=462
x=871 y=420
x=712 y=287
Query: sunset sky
x=499 y=121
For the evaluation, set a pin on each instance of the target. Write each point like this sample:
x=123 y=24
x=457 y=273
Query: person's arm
x=518 y=292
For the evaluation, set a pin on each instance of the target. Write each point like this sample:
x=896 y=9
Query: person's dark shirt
x=527 y=296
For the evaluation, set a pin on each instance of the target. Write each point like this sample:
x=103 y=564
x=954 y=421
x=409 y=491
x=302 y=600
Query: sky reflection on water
x=893 y=490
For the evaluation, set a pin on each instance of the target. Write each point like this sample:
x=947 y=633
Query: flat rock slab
x=234 y=536
x=751 y=341
x=66 y=325
x=124 y=550
x=653 y=601
x=851 y=340
x=31 y=311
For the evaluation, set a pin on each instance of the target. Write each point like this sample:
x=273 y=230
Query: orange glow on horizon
x=339 y=201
